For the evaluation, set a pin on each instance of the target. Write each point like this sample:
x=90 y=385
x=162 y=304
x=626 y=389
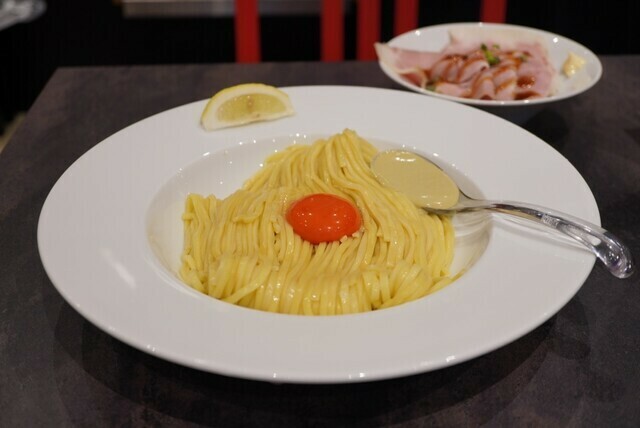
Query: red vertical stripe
x=493 y=11
x=332 y=31
x=368 y=28
x=406 y=16
x=247 y=31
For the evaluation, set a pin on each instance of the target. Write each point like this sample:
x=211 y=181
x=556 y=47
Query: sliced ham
x=476 y=63
x=453 y=89
x=535 y=75
x=494 y=69
x=406 y=59
x=483 y=87
x=458 y=68
x=505 y=79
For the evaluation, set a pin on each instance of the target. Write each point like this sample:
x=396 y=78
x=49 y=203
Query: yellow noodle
x=242 y=250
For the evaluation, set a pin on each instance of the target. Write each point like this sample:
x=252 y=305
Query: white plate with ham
x=489 y=65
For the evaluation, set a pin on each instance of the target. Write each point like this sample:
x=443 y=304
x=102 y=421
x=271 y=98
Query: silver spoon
x=431 y=188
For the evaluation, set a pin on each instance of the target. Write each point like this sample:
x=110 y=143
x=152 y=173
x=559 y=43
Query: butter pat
x=573 y=64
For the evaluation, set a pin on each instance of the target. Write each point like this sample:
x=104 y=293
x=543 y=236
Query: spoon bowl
x=430 y=188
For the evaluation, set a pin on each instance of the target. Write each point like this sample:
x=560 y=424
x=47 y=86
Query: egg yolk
x=323 y=218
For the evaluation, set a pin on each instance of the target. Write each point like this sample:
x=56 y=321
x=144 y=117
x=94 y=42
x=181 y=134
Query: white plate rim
x=346 y=363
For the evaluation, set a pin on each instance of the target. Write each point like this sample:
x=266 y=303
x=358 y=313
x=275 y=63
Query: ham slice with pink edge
x=407 y=63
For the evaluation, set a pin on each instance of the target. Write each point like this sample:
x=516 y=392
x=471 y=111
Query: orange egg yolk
x=323 y=218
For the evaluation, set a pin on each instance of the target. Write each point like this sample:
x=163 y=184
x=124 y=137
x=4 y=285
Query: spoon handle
x=606 y=247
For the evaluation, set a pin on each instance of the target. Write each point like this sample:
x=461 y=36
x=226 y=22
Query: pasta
x=242 y=250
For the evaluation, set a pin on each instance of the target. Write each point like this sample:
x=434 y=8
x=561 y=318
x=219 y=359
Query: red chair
x=247 y=26
x=247 y=31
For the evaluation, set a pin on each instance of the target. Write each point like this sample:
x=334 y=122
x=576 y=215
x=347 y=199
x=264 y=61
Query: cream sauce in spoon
x=431 y=188
x=422 y=181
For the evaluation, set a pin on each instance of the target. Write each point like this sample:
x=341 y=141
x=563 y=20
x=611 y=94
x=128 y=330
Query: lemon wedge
x=245 y=103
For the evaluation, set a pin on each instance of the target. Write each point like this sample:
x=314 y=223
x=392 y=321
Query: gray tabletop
x=56 y=369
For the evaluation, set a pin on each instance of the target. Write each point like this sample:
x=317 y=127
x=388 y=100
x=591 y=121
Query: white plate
x=436 y=37
x=109 y=233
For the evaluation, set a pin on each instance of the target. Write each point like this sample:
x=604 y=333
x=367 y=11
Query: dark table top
x=579 y=368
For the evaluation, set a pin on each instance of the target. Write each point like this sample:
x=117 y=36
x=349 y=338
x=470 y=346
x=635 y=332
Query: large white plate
x=107 y=227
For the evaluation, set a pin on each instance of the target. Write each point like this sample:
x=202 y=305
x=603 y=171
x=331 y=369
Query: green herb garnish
x=490 y=57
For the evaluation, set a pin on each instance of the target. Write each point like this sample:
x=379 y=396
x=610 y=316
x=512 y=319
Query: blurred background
x=38 y=36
